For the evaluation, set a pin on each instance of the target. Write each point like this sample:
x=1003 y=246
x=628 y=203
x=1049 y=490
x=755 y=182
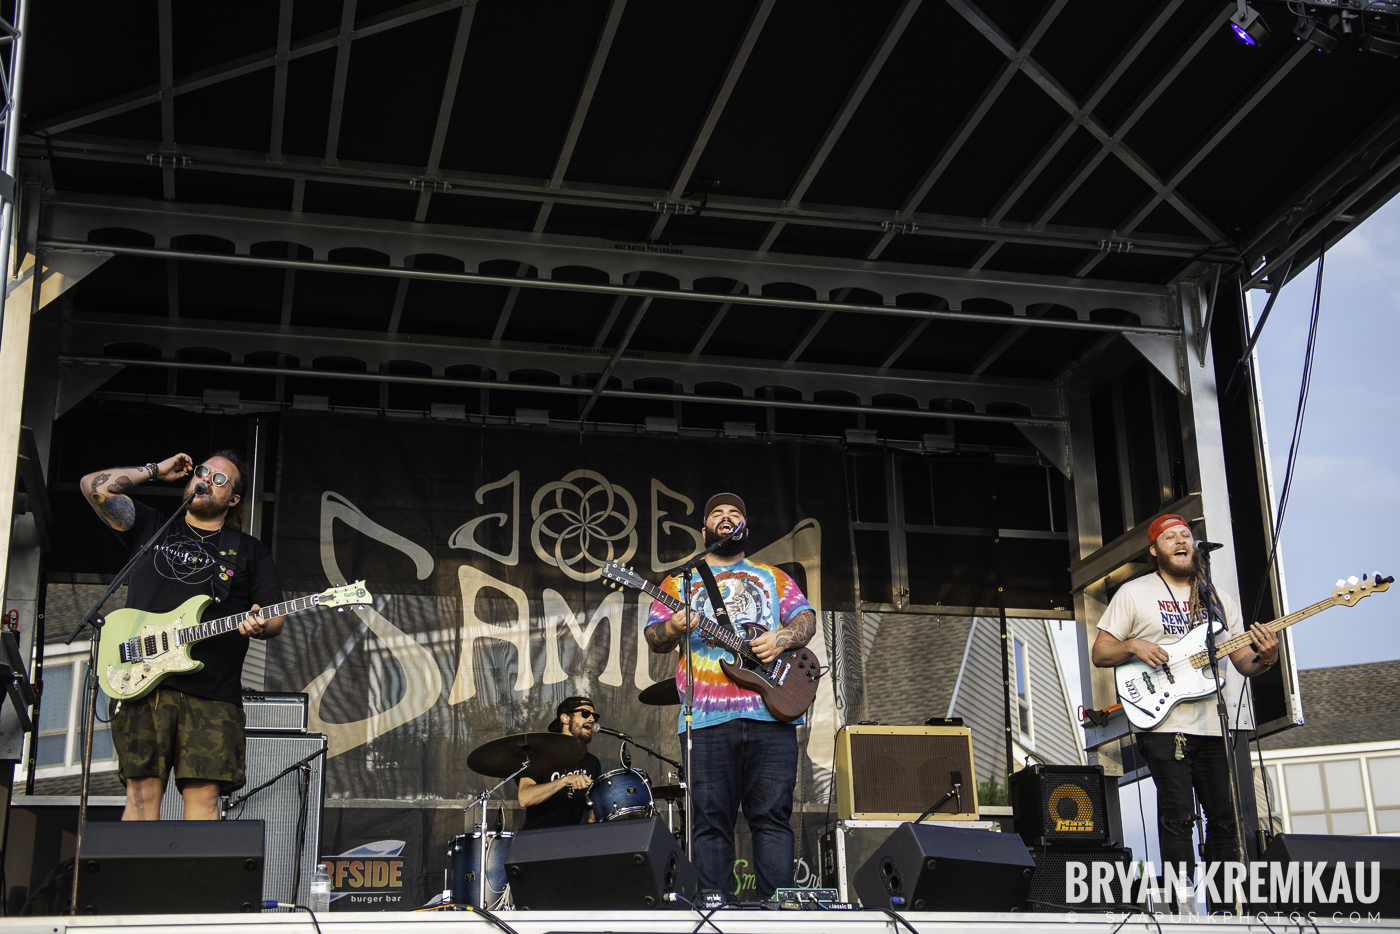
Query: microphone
x=1207 y=547
x=200 y=487
x=740 y=532
x=603 y=729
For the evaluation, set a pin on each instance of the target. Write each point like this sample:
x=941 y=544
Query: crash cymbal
x=667 y=792
x=661 y=694
x=547 y=752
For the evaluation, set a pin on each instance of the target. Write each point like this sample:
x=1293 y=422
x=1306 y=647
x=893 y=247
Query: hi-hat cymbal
x=546 y=752
x=661 y=694
x=667 y=792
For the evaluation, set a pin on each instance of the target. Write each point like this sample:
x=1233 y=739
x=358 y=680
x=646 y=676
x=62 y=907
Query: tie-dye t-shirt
x=753 y=593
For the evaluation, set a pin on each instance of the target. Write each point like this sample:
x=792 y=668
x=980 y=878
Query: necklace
x=202 y=538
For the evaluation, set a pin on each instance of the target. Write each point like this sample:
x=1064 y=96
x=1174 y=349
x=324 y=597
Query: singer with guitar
x=192 y=723
x=1185 y=750
x=742 y=754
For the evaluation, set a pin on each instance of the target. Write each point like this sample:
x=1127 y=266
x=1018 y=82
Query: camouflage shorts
x=166 y=729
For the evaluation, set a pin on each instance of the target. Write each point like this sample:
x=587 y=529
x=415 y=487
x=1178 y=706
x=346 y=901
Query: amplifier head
x=897 y=772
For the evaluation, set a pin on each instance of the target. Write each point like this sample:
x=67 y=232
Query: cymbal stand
x=484 y=799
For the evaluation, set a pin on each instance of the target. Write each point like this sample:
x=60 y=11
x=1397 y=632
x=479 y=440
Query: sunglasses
x=202 y=472
x=586 y=714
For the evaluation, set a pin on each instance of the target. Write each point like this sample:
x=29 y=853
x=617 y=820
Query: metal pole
x=7 y=219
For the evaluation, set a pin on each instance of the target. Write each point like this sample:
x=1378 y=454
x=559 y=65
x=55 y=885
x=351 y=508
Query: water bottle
x=320 y=889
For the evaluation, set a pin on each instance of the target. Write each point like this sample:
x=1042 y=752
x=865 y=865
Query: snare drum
x=621 y=794
x=464 y=856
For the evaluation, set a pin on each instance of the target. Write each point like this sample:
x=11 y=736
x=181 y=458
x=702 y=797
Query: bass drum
x=464 y=858
x=621 y=794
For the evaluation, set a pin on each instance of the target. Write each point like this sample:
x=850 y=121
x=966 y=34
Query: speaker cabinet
x=279 y=806
x=168 y=867
x=1068 y=805
x=1048 y=891
x=926 y=867
x=618 y=864
x=274 y=712
x=897 y=772
x=1343 y=852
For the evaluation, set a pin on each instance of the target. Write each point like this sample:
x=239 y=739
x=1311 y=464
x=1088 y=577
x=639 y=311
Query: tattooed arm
x=665 y=635
x=796 y=633
x=106 y=489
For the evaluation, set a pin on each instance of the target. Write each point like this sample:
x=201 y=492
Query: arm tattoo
x=798 y=632
x=119 y=511
x=97 y=481
x=120 y=485
x=658 y=640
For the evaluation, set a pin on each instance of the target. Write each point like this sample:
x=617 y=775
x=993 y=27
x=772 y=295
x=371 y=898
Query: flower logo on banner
x=581 y=522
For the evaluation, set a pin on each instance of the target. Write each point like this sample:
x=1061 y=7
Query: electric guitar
x=140 y=649
x=787 y=684
x=1149 y=693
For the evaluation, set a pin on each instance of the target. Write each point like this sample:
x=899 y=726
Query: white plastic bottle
x=320 y=889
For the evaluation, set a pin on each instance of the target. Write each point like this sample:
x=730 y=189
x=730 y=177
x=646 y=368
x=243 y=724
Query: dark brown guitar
x=787 y=684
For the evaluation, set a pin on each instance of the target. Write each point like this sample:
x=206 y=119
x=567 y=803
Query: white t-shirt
x=1149 y=608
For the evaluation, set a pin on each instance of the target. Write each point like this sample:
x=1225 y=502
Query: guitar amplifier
x=897 y=772
x=279 y=713
x=1069 y=805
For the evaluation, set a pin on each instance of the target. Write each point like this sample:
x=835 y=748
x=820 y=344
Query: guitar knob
x=126 y=676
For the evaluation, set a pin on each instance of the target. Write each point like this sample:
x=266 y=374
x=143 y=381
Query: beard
x=1196 y=570
x=208 y=508
x=730 y=548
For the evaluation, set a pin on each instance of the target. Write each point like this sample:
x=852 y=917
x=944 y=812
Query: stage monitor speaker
x=279 y=805
x=169 y=867
x=617 y=864
x=1345 y=852
x=897 y=772
x=925 y=867
x=1064 y=804
x=1048 y=891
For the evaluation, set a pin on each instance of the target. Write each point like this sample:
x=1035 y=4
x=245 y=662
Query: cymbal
x=661 y=694
x=667 y=792
x=546 y=752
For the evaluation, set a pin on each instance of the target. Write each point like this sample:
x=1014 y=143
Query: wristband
x=153 y=470
x=1260 y=661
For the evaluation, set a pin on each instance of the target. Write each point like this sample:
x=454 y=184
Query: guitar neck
x=217 y=627
x=728 y=638
x=1223 y=649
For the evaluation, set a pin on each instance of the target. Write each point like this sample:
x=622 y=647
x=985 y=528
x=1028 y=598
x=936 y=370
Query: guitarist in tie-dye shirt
x=742 y=755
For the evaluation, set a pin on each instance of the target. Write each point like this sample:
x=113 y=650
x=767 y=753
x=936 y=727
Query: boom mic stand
x=94 y=618
x=687 y=570
x=1220 y=705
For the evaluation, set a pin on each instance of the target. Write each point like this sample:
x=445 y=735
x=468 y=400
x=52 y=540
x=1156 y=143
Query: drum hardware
x=661 y=694
x=510 y=757
x=464 y=861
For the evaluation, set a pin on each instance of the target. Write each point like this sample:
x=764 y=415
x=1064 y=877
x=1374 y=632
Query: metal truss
x=581 y=371
x=69 y=219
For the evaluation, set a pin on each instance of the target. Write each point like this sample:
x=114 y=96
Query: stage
x=727 y=921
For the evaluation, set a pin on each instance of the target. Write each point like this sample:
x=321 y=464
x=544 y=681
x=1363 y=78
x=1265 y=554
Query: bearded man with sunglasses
x=563 y=800
x=192 y=724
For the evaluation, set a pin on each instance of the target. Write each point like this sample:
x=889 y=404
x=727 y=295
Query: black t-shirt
x=181 y=566
x=559 y=809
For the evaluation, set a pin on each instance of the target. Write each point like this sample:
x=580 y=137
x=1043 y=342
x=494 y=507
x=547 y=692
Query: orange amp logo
x=1072 y=809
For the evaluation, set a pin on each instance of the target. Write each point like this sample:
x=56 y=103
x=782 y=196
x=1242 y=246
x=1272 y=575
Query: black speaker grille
x=905 y=773
x=1048 y=883
x=1060 y=804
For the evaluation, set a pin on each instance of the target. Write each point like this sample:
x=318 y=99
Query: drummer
x=563 y=800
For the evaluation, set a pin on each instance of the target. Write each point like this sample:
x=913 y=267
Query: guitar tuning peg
x=1341 y=583
x=1352 y=579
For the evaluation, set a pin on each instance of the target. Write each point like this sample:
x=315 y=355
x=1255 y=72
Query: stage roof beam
x=449 y=99
x=342 y=70
x=279 y=80
x=167 y=100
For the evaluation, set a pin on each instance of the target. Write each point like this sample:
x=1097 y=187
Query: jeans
x=751 y=763
x=1203 y=767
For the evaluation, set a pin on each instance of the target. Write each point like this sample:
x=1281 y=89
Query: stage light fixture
x=1249 y=25
x=1309 y=30
x=1383 y=45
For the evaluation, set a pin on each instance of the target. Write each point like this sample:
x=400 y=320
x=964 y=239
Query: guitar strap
x=716 y=599
x=229 y=562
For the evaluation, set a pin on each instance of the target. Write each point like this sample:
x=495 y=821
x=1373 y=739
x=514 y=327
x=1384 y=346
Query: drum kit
x=622 y=794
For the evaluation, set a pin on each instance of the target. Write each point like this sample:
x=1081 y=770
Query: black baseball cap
x=569 y=705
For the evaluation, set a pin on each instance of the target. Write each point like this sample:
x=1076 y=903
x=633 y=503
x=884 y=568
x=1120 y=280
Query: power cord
x=705 y=916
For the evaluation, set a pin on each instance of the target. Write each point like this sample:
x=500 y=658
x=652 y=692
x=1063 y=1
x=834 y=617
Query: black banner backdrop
x=483 y=549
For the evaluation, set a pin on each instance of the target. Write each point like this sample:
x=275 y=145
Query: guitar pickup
x=1166 y=670
x=148 y=645
x=1147 y=680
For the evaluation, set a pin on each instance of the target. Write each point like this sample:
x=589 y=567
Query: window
x=1021 y=660
x=1385 y=793
x=1326 y=797
x=62 y=724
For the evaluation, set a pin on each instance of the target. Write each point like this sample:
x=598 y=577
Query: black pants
x=1203 y=767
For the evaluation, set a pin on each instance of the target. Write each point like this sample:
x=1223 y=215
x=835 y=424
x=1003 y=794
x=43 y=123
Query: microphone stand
x=955 y=791
x=93 y=618
x=484 y=799
x=1221 y=707
x=687 y=570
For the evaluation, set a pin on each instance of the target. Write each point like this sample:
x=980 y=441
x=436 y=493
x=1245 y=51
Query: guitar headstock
x=1352 y=589
x=356 y=594
x=618 y=576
